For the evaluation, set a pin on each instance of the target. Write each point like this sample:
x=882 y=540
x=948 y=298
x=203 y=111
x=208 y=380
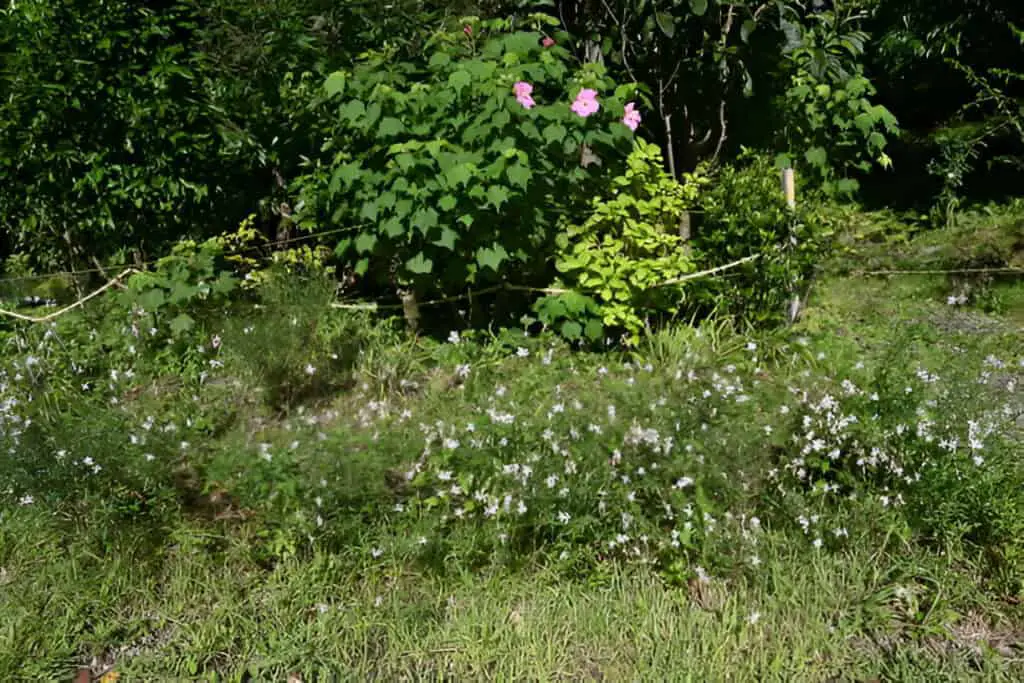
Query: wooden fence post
x=789 y=192
x=789 y=187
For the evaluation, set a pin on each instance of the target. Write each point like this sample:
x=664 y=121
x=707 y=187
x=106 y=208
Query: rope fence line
x=376 y=305
x=371 y=305
x=102 y=271
x=70 y=307
x=952 y=271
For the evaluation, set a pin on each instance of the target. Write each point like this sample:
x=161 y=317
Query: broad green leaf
x=372 y=114
x=335 y=83
x=817 y=156
x=572 y=330
x=555 y=132
x=365 y=242
x=224 y=284
x=847 y=185
x=530 y=130
x=369 y=211
x=152 y=300
x=405 y=161
x=666 y=23
x=519 y=175
x=447 y=238
x=783 y=160
x=439 y=59
x=352 y=110
x=362 y=265
x=522 y=42
x=403 y=207
x=459 y=175
x=419 y=264
x=480 y=71
x=459 y=80
x=392 y=227
x=390 y=126
x=424 y=220
x=491 y=257
x=496 y=196
x=864 y=121
x=699 y=7
x=345 y=174
x=182 y=323
x=447 y=202
x=594 y=330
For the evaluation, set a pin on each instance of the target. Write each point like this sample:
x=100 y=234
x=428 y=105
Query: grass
x=261 y=542
x=847 y=616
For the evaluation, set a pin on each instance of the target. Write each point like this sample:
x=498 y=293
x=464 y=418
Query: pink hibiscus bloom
x=523 y=90
x=586 y=103
x=632 y=117
x=468 y=30
x=548 y=41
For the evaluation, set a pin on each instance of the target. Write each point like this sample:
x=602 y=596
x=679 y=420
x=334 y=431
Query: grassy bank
x=295 y=490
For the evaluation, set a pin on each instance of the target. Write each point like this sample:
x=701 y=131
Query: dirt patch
x=958 y=321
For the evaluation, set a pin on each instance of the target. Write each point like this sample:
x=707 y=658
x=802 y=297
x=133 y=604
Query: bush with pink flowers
x=455 y=171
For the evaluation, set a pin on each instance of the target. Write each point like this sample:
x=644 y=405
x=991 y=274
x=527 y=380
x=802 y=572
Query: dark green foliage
x=745 y=214
x=125 y=126
x=951 y=71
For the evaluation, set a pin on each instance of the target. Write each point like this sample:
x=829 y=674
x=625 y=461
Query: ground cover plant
x=477 y=340
x=798 y=504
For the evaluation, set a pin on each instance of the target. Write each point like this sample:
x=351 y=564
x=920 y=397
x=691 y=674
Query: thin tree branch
x=667 y=118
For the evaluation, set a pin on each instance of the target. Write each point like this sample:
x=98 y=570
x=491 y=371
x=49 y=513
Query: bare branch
x=729 y=16
x=622 y=36
x=722 y=135
x=667 y=118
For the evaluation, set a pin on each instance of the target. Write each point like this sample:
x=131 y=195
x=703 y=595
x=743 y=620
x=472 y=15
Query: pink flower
x=586 y=103
x=523 y=90
x=468 y=30
x=548 y=41
x=632 y=117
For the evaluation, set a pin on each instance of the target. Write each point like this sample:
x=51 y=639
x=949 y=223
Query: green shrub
x=745 y=214
x=293 y=346
x=101 y=143
x=833 y=131
x=623 y=259
x=455 y=171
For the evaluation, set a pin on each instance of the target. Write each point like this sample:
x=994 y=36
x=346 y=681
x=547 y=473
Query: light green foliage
x=449 y=179
x=627 y=252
